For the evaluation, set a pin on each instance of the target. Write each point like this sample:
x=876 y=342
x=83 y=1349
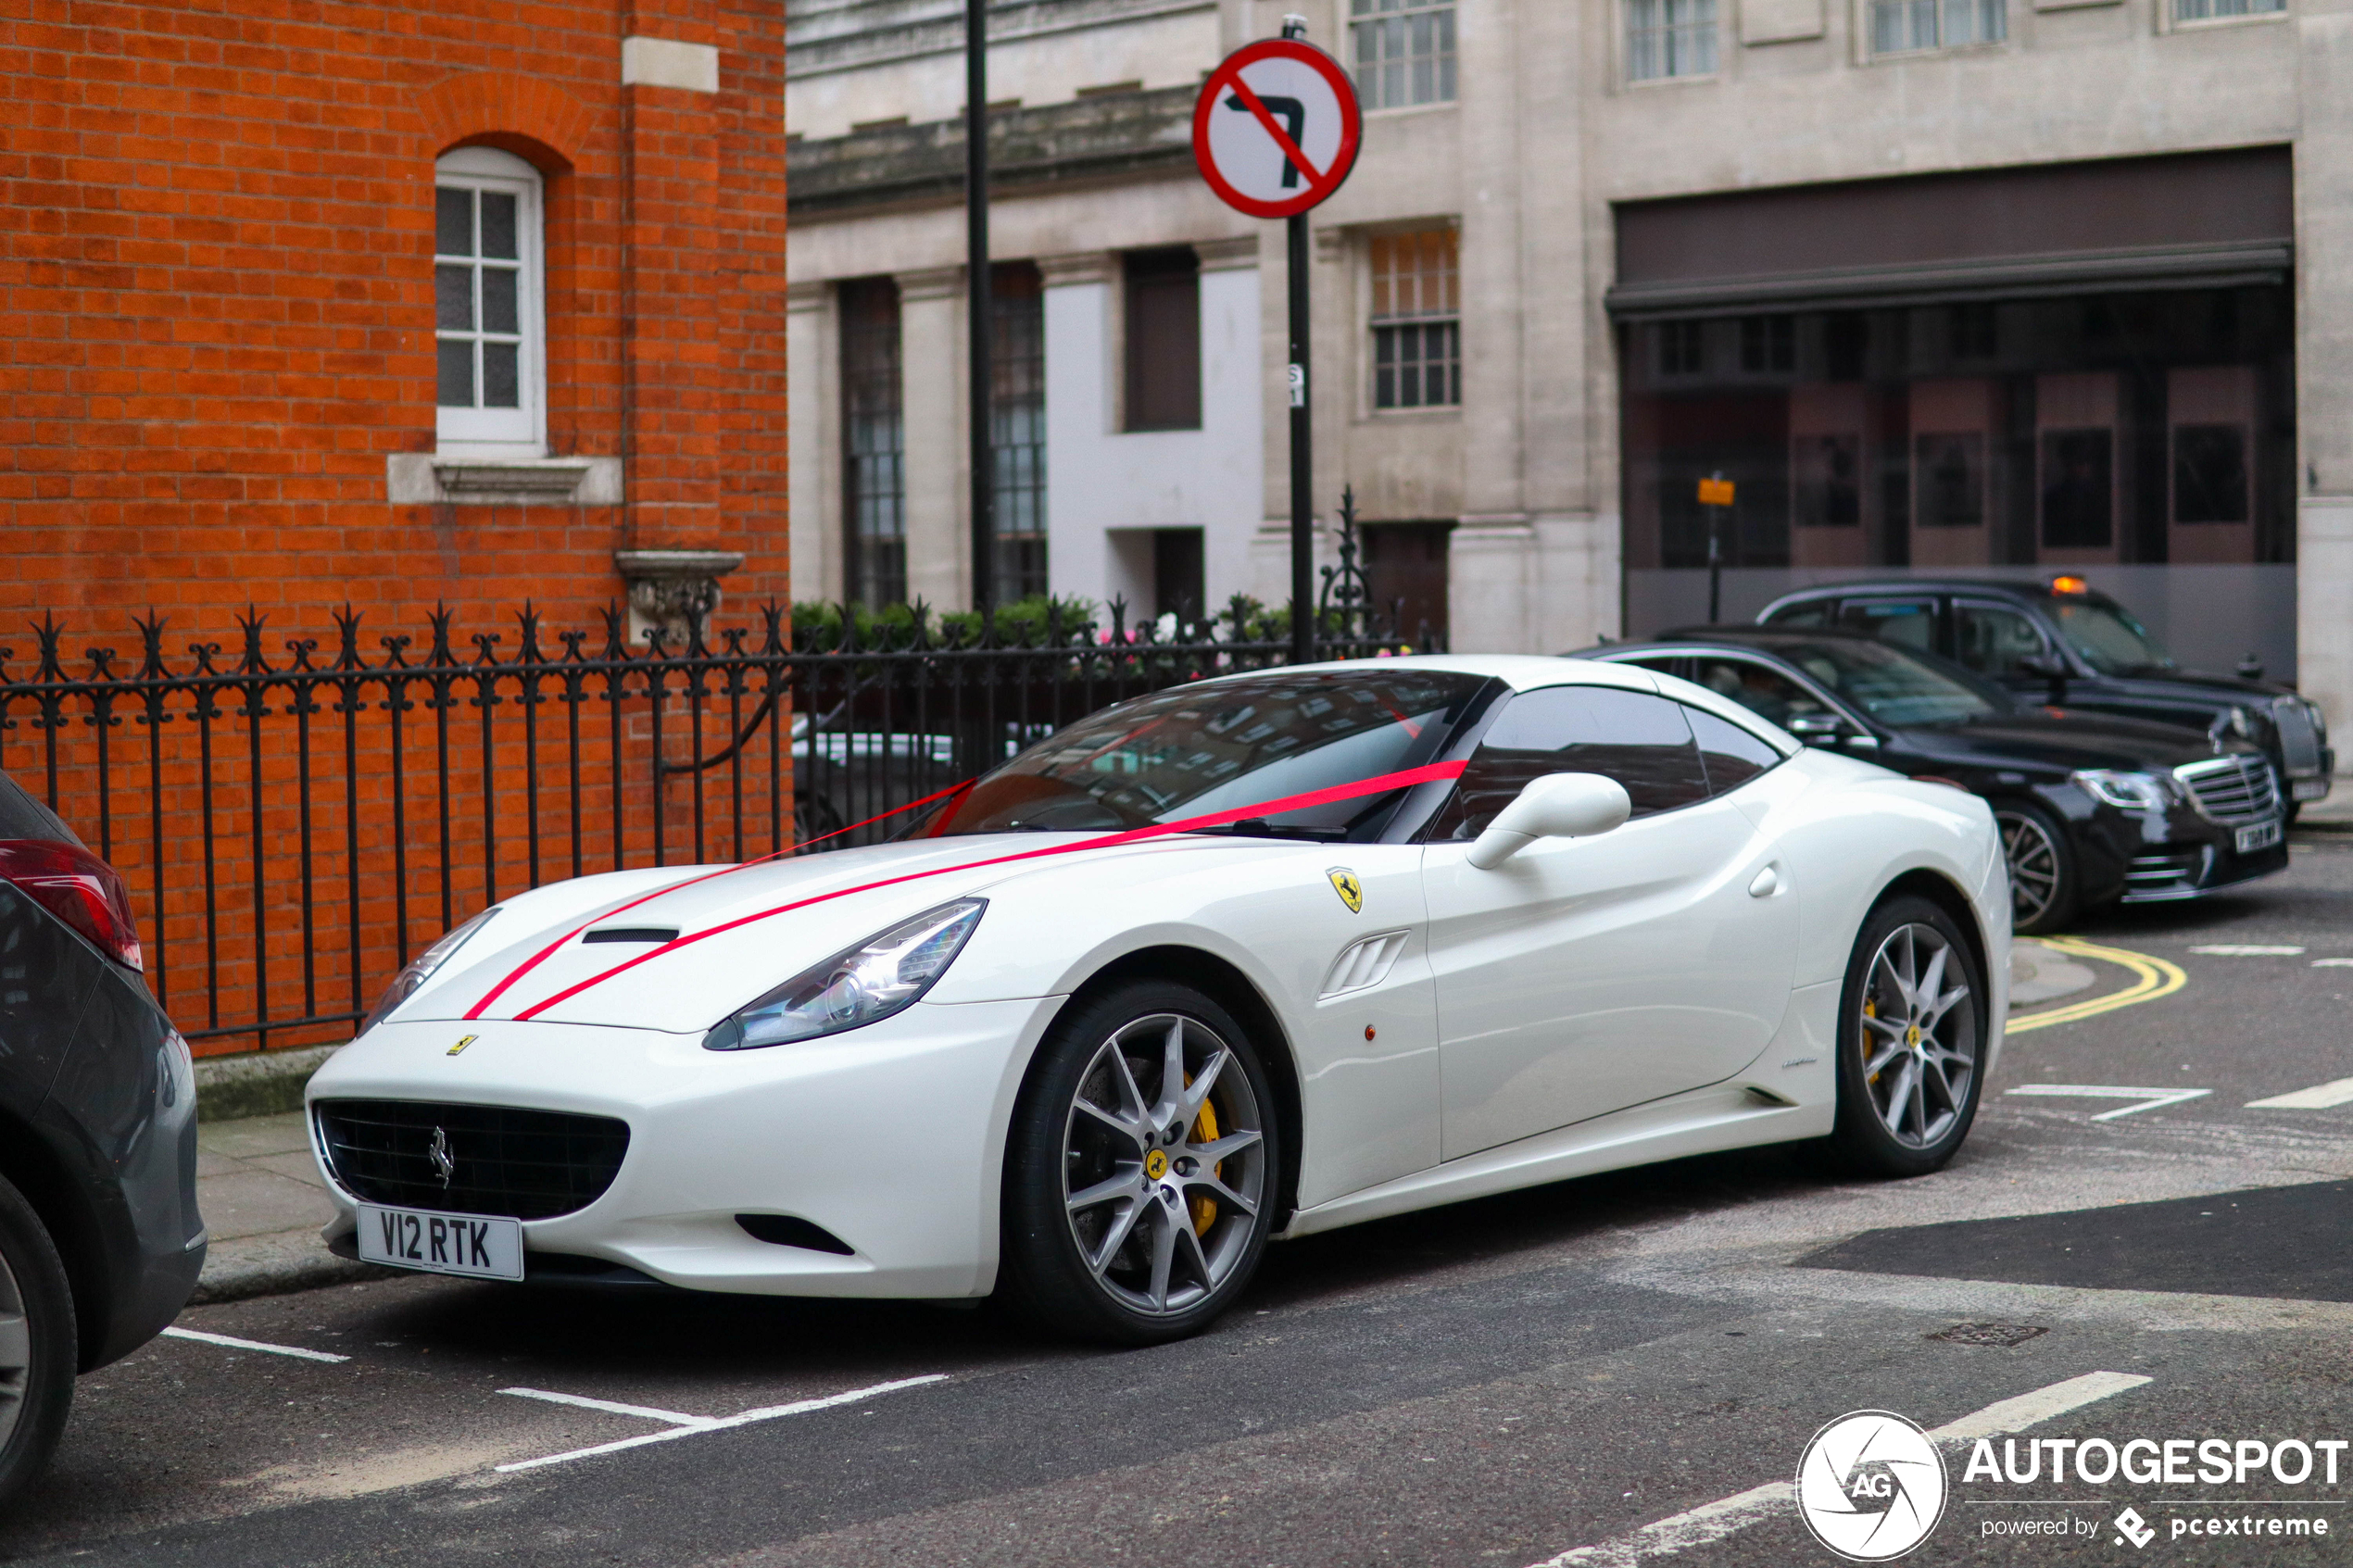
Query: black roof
x=2013 y=587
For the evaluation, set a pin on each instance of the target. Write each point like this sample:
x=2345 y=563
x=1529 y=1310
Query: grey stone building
x=1998 y=287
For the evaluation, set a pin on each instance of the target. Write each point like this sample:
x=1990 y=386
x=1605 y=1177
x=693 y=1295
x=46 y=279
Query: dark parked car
x=2093 y=807
x=100 y=1241
x=2062 y=644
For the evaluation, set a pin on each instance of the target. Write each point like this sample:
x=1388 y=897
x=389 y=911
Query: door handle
x=1767 y=882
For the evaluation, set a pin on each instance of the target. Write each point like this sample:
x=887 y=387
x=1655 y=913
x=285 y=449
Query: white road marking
x=2333 y=963
x=1713 y=1520
x=2247 y=950
x=2320 y=1097
x=2150 y=1099
x=294 y=1350
x=609 y=1408
x=798 y=1407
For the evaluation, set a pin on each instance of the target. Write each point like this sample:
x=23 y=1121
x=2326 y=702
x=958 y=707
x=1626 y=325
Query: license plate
x=482 y=1246
x=2261 y=836
x=2309 y=789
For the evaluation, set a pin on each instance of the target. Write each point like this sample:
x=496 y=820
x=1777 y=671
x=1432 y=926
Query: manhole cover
x=1998 y=1333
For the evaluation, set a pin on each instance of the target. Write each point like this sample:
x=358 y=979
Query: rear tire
x=1141 y=1172
x=2045 y=885
x=37 y=1345
x=1911 y=1042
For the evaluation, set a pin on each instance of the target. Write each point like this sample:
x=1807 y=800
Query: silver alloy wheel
x=16 y=1354
x=2035 y=866
x=1920 y=1038
x=1162 y=1193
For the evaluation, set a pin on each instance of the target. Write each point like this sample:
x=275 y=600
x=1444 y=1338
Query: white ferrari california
x=1249 y=959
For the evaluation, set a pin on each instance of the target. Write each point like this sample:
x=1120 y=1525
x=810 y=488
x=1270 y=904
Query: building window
x=1017 y=426
x=486 y=311
x=1164 y=340
x=874 y=444
x=2219 y=10
x=1682 y=348
x=1404 y=52
x=1668 y=38
x=1901 y=26
x=1417 y=331
x=1768 y=345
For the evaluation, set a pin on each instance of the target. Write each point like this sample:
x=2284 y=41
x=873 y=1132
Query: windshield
x=2108 y=638
x=1218 y=746
x=1895 y=686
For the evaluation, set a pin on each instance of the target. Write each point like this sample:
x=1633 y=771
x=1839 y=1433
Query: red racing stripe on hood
x=1380 y=785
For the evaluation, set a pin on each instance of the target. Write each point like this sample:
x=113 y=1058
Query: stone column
x=812 y=348
x=2324 y=376
x=1080 y=361
x=931 y=361
x=1493 y=275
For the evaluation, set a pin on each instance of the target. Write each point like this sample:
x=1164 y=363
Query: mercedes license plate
x=2260 y=835
x=483 y=1245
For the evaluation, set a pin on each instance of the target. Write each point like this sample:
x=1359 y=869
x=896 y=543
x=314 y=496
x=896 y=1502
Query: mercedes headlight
x=857 y=985
x=2132 y=792
x=411 y=980
x=2320 y=723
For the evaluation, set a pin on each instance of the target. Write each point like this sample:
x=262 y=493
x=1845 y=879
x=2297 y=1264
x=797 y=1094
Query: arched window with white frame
x=487 y=310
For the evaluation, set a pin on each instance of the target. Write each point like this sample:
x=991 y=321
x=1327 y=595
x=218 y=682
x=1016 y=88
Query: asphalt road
x=1591 y=1365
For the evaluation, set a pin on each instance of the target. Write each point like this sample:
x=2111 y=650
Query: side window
x=1992 y=638
x=1764 y=691
x=1732 y=755
x=1641 y=740
x=1911 y=622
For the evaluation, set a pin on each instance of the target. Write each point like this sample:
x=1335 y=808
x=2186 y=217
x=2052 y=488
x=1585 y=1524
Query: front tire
x=1911 y=1042
x=37 y=1347
x=1140 y=1170
x=2044 y=887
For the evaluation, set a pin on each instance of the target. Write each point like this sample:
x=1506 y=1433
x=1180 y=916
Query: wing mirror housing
x=1816 y=728
x=1555 y=806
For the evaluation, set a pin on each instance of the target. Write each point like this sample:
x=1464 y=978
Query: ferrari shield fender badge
x=463 y=1044
x=1350 y=891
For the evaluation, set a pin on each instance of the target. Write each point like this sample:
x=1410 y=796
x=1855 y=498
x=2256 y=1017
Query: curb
x=278 y=1264
x=256 y=1083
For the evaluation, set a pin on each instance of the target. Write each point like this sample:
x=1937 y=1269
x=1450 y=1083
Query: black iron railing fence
x=296 y=821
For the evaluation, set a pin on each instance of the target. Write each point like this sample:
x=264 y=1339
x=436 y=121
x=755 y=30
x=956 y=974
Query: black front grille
x=529 y=1164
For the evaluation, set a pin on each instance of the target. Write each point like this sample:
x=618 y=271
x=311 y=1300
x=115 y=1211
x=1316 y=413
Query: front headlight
x=409 y=981
x=2319 y=723
x=873 y=980
x=2132 y=791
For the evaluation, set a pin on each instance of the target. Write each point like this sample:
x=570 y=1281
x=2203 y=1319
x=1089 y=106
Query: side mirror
x=1816 y=728
x=2049 y=666
x=1557 y=806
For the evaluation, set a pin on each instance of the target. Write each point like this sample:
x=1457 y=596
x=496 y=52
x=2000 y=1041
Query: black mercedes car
x=2063 y=643
x=2093 y=807
x=100 y=1240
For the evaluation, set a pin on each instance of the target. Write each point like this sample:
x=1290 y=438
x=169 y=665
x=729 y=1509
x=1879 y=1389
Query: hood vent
x=632 y=933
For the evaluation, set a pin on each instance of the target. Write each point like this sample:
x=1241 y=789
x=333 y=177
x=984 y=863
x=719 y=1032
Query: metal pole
x=1716 y=560
x=1302 y=455
x=979 y=308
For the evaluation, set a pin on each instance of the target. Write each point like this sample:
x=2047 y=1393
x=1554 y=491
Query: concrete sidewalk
x=263 y=1204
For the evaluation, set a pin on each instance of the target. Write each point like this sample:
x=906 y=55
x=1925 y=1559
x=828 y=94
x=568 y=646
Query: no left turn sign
x=1277 y=128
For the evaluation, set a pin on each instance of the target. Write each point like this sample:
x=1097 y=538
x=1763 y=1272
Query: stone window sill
x=418 y=478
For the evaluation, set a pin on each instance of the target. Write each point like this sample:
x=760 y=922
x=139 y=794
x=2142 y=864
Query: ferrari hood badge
x=463 y=1044
x=1350 y=891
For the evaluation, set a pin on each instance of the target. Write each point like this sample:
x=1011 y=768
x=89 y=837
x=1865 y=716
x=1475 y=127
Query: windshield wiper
x=1259 y=827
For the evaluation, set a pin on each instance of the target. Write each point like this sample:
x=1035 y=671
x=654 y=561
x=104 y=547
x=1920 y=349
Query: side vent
x=1366 y=963
x=791 y=1230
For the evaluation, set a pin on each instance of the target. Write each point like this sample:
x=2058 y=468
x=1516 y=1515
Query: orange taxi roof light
x=2069 y=585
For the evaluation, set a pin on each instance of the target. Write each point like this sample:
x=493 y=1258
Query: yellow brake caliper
x=1204 y=1210
x=1870 y=1009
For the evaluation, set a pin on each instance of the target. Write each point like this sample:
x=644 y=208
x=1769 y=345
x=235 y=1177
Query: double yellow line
x=2156 y=978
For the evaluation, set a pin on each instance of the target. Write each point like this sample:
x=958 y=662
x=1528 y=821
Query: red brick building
x=312 y=302
x=236 y=369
